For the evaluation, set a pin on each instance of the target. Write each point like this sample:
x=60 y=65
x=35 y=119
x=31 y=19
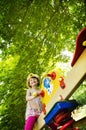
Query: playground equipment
x=50 y=84
x=57 y=93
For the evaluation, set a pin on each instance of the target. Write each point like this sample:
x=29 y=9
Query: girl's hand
x=35 y=94
x=42 y=94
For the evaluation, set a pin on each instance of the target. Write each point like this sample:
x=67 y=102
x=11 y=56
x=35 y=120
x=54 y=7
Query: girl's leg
x=30 y=123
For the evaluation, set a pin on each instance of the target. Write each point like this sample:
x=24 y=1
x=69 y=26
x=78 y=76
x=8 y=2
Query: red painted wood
x=79 y=47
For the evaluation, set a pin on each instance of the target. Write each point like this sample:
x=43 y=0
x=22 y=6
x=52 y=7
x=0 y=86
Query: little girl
x=34 y=102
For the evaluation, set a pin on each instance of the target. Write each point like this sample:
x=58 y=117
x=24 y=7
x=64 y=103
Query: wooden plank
x=72 y=81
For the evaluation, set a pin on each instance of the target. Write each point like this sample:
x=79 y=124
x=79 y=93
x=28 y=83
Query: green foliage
x=33 y=33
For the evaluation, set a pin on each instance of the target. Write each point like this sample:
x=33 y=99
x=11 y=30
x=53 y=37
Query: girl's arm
x=29 y=96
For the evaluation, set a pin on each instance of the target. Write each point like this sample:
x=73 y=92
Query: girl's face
x=33 y=82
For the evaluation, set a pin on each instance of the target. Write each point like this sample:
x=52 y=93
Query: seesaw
x=74 y=78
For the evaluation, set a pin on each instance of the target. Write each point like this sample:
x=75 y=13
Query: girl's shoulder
x=28 y=90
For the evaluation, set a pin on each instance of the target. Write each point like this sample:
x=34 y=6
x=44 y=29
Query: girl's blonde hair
x=32 y=76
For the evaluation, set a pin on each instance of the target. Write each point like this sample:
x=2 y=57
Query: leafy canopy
x=33 y=34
